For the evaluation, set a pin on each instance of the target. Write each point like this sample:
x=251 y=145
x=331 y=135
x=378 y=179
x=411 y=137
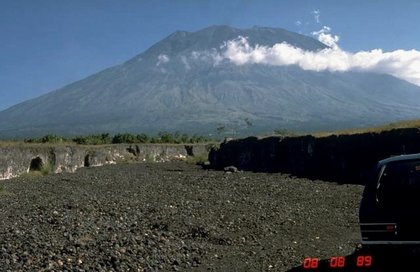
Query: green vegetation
x=46 y=169
x=130 y=138
x=127 y=138
x=43 y=170
x=199 y=160
x=5 y=143
x=377 y=129
x=32 y=174
x=178 y=138
x=3 y=191
x=49 y=138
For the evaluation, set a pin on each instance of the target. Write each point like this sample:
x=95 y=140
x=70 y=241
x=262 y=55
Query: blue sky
x=46 y=44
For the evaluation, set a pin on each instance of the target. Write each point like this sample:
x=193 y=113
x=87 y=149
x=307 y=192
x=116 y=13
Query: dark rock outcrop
x=343 y=158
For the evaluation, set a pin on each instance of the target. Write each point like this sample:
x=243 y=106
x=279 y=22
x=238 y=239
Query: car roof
x=399 y=158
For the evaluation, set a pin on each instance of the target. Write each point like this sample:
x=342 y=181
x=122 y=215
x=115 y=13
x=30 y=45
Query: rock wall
x=343 y=158
x=18 y=159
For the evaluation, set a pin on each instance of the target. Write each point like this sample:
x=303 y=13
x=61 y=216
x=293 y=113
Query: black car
x=390 y=208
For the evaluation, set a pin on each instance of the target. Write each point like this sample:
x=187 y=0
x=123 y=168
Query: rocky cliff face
x=19 y=159
x=344 y=158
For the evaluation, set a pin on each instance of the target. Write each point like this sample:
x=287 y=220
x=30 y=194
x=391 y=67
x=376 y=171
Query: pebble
x=65 y=222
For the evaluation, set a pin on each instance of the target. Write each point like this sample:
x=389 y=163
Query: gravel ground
x=172 y=217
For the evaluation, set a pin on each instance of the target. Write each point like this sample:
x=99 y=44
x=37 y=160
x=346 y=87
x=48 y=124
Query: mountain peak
x=213 y=37
x=179 y=34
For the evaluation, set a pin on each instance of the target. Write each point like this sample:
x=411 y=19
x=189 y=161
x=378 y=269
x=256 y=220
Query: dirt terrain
x=172 y=217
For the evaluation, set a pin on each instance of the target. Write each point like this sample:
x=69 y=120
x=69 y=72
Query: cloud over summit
x=404 y=64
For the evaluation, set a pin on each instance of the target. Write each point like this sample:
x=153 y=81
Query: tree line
x=126 y=138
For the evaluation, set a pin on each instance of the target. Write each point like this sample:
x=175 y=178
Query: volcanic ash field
x=173 y=217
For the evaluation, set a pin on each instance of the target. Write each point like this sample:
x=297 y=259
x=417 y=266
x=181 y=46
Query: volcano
x=182 y=84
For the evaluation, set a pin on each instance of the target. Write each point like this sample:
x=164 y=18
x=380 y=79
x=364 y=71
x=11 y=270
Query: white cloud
x=212 y=55
x=317 y=14
x=400 y=63
x=324 y=35
x=185 y=62
x=162 y=58
x=298 y=23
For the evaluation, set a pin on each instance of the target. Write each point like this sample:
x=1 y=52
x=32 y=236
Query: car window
x=399 y=183
x=401 y=174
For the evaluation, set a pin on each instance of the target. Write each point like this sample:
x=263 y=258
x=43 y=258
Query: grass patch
x=32 y=174
x=43 y=171
x=4 y=143
x=3 y=191
x=46 y=169
x=198 y=160
x=377 y=129
x=124 y=160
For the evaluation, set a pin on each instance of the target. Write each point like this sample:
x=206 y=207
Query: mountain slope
x=179 y=84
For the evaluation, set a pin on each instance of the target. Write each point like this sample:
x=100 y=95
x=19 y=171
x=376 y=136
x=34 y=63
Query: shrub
x=124 y=138
x=97 y=139
x=49 y=138
x=166 y=137
x=142 y=138
x=46 y=169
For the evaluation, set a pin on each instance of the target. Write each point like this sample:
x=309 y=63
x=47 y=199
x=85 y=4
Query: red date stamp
x=338 y=262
